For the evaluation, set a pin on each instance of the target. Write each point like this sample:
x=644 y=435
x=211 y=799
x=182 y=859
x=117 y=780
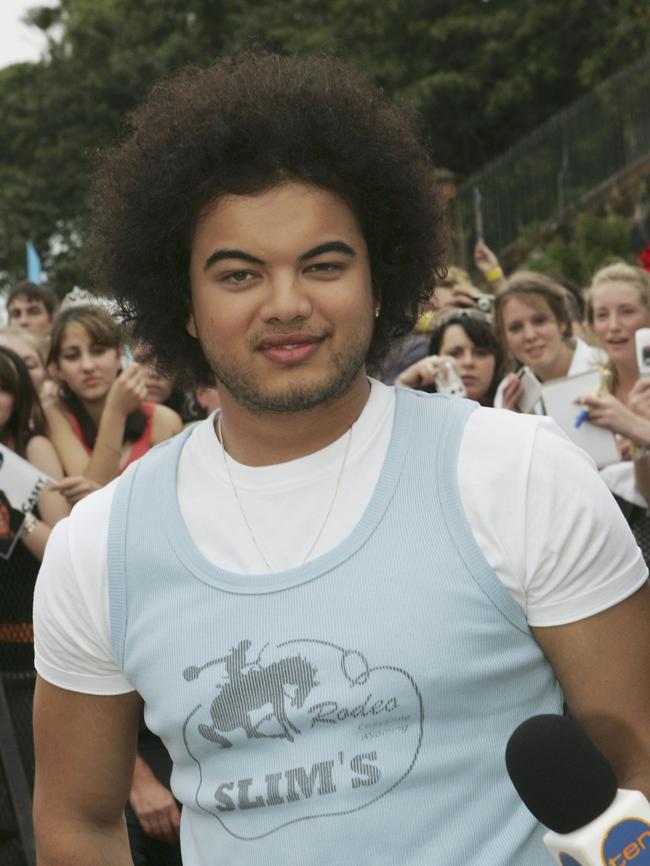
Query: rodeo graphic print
x=298 y=730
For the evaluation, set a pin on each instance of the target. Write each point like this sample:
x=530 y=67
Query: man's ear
x=190 y=327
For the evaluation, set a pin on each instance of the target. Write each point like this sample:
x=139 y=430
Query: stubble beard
x=301 y=396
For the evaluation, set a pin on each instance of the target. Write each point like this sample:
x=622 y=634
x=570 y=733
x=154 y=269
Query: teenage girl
x=533 y=323
x=618 y=305
x=467 y=340
x=22 y=429
x=101 y=421
x=30 y=349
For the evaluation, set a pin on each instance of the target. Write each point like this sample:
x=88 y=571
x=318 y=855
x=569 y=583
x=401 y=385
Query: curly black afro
x=242 y=126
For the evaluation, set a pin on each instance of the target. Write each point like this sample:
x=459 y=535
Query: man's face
x=31 y=315
x=281 y=297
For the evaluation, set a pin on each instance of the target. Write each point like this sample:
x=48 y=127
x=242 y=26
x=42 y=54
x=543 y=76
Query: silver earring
x=377 y=309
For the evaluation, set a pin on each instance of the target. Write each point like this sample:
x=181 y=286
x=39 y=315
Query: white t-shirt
x=620 y=477
x=544 y=520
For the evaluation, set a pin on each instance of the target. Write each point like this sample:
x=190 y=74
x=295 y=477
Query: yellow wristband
x=494 y=275
x=639 y=452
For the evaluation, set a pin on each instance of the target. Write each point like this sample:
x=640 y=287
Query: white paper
x=21 y=485
x=559 y=398
x=532 y=390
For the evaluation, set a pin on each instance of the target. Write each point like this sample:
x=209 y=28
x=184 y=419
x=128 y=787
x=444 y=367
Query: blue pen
x=584 y=414
x=582 y=417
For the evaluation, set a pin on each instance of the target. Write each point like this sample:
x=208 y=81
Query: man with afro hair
x=335 y=599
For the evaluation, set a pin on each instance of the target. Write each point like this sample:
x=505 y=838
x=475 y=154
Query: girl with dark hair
x=101 y=421
x=467 y=340
x=161 y=388
x=22 y=428
x=533 y=323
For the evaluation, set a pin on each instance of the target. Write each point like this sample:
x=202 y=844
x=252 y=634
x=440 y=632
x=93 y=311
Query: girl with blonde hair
x=618 y=306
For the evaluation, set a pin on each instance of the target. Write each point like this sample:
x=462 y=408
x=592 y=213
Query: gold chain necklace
x=243 y=513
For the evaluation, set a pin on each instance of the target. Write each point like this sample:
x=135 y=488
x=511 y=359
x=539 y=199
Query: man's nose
x=286 y=300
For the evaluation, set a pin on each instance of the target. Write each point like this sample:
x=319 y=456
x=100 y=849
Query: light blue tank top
x=353 y=710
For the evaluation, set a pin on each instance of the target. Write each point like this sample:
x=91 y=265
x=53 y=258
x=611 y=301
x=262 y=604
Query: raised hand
x=423 y=372
x=639 y=398
x=128 y=390
x=154 y=805
x=75 y=487
x=512 y=393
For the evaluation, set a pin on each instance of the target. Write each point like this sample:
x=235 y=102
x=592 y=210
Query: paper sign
x=559 y=398
x=21 y=485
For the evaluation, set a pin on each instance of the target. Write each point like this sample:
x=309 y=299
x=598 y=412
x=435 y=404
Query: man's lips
x=287 y=340
x=290 y=348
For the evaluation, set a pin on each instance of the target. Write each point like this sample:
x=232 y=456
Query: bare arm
x=639 y=402
x=423 y=372
x=71 y=453
x=602 y=665
x=52 y=505
x=85 y=749
x=166 y=423
x=631 y=421
x=125 y=395
x=488 y=264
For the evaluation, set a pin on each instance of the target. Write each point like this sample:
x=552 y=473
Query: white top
x=546 y=523
x=585 y=357
x=620 y=477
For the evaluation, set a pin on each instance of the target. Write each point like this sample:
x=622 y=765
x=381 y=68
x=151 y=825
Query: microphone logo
x=627 y=842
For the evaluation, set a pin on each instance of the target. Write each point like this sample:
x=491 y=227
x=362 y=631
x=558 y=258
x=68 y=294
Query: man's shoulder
x=505 y=443
x=505 y=451
x=489 y=422
x=92 y=512
x=504 y=422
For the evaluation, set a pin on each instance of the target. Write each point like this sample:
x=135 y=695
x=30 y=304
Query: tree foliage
x=592 y=243
x=480 y=74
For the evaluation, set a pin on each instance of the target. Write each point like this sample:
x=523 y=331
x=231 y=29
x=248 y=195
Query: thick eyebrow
x=321 y=249
x=329 y=247
x=218 y=255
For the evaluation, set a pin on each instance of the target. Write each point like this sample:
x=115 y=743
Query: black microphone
x=570 y=787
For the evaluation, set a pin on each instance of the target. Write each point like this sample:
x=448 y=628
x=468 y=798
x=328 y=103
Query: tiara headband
x=82 y=298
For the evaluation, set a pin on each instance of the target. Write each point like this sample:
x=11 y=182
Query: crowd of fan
x=554 y=329
x=80 y=402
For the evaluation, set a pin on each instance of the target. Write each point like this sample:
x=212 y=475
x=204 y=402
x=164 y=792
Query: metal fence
x=560 y=163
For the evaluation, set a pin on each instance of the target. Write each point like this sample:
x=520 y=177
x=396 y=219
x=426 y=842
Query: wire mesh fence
x=562 y=162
